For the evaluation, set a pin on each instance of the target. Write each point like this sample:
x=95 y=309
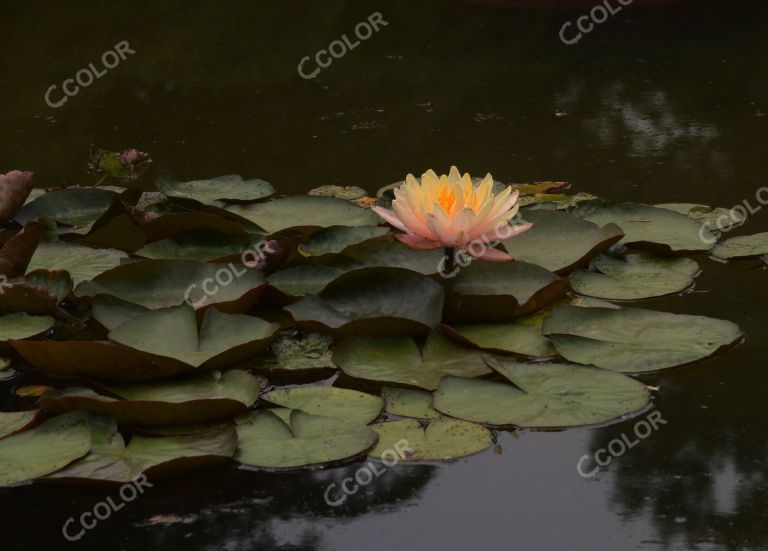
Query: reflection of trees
x=221 y=509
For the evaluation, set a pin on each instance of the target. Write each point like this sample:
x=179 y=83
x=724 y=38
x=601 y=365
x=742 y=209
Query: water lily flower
x=450 y=211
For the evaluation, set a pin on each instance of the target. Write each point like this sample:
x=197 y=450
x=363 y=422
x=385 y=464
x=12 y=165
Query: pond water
x=663 y=102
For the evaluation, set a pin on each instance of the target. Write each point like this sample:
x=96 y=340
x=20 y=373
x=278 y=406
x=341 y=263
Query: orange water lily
x=450 y=211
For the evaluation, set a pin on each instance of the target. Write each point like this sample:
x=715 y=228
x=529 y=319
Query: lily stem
x=450 y=262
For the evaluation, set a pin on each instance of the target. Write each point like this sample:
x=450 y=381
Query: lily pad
x=293 y=283
x=159 y=343
x=305 y=210
x=163 y=283
x=23 y=326
x=635 y=340
x=649 y=227
x=501 y=291
x=442 y=439
x=560 y=242
x=716 y=219
x=635 y=276
x=406 y=402
x=44 y=449
x=341 y=403
x=399 y=360
x=544 y=396
x=515 y=337
x=16 y=421
x=334 y=239
x=172 y=332
x=76 y=208
x=39 y=292
x=82 y=263
x=231 y=188
x=203 y=245
x=265 y=440
x=374 y=301
x=192 y=399
x=742 y=246
x=111 y=461
x=175 y=225
x=113 y=312
x=393 y=254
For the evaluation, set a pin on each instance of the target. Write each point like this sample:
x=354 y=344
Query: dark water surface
x=658 y=104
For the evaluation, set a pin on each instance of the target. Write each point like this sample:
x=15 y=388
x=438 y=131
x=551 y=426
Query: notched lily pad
x=111 y=461
x=399 y=360
x=442 y=439
x=716 y=219
x=635 y=340
x=334 y=239
x=374 y=301
x=635 y=276
x=341 y=403
x=515 y=337
x=75 y=208
x=82 y=263
x=305 y=210
x=16 y=421
x=644 y=226
x=231 y=188
x=23 y=326
x=561 y=242
x=543 y=396
x=266 y=440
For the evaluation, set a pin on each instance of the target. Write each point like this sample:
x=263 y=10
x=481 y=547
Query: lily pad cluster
x=217 y=322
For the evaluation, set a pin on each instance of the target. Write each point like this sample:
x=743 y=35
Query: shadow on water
x=661 y=103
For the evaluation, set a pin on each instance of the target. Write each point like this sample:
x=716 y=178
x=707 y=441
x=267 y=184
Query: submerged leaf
x=409 y=403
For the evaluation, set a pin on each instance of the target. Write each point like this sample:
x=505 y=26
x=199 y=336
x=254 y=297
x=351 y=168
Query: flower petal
x=390 y=217
x=416 y=242
x=493 y=255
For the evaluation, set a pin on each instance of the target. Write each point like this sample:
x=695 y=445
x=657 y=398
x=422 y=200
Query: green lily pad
x=373 y=301
x=649 y=227
x=742 y=246
x=305 y=210
x=172 y=332
x=192 y=399
x=501 y=291
x=23 y=326
x=635 y=340
x=76 y=208
x=442 y=439
x=175 y=225
x=406 y=402
x=111 y=461
x=44 y=449
x=341 y=403
x=560 y=242
x=265 y=440
x=393 y=254
x=231 y=188
x=203 y=245
x=82 y=263
x=399 y=360
x=16 y=421
x=716 y=219
x=635 y=276
x=544 y=396
x=113 y=312
x=334 y=239
x=158 y=343
x=38 y=292
x=163 y=283
x=554 y=201
x=515 y=337
x=293 y=283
